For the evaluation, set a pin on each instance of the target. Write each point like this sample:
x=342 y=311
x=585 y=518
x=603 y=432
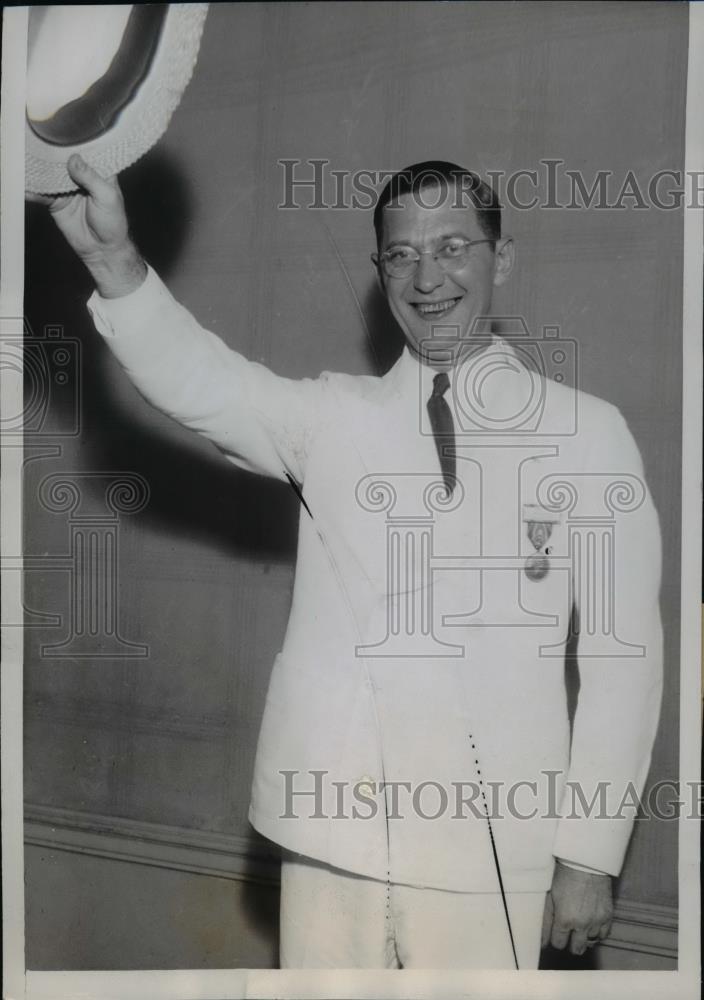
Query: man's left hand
x=579 y=908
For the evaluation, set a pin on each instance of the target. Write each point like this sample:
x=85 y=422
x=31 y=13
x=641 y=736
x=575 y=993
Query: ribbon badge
x=537 y=564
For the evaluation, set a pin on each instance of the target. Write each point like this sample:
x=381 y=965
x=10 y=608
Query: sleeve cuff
x=113 y=316
x=581 y=868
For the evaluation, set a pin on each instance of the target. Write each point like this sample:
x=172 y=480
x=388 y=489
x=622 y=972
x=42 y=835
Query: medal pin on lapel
x=539 y=531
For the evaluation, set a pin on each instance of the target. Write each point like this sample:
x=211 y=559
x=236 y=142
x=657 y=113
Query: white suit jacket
x=465 y=716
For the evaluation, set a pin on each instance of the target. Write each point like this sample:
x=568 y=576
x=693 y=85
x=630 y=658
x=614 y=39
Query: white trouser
x=335 y=919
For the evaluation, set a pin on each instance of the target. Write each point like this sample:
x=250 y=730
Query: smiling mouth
x=435 y=308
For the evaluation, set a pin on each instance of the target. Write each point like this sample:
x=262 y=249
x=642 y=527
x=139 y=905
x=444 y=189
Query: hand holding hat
x=94 y=222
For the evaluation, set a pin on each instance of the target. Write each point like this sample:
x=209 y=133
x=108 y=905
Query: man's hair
x=467 y=189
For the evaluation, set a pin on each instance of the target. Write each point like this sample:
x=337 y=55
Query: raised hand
x=94 y=223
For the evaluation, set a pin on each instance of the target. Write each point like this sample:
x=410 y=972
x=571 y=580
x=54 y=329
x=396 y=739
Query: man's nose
x=429 y=275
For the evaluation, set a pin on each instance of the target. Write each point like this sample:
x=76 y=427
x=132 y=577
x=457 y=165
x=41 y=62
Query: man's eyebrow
x=455 y=235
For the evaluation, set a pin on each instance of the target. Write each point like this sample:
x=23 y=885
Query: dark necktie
x=443 y=429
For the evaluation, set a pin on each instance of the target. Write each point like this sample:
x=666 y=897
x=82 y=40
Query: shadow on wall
x=262 y=917
x=192 y=491
x=385 y=340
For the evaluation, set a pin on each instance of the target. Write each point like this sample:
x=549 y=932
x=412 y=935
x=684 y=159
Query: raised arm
x=261 y=421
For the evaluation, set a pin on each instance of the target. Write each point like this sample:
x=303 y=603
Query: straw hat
x=103 y=81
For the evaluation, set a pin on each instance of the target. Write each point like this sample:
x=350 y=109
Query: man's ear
x=379 y=273
x=504 y=259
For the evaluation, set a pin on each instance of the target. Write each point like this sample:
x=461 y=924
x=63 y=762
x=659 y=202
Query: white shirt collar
x=413 y=378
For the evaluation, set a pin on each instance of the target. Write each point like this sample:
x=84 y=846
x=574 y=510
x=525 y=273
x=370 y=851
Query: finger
x=593 y=935
x=578 y=944
x=39 y=199
x=54 y=202
x=559 y=937
x=605 y=929
x=82 y=173
x=548 y=913
x=66 y=204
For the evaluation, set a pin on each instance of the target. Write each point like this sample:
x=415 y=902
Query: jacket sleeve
x=616 y=581
x=261 y=421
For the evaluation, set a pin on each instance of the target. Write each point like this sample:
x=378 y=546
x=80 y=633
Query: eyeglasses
x=402 y=261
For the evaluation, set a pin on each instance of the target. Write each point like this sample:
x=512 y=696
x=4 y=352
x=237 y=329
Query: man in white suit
x=463 y=520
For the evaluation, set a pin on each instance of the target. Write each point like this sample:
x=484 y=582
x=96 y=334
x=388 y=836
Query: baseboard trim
x=647 y=928
x=155 y=844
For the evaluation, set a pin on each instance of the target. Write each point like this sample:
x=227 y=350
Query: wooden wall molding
x=155 y=844
x=648 y=928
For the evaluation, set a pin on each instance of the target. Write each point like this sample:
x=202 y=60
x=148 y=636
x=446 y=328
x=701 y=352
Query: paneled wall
x=137 y=747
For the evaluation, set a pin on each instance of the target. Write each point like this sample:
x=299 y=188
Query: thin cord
x=348 y=281
x=501 y=887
